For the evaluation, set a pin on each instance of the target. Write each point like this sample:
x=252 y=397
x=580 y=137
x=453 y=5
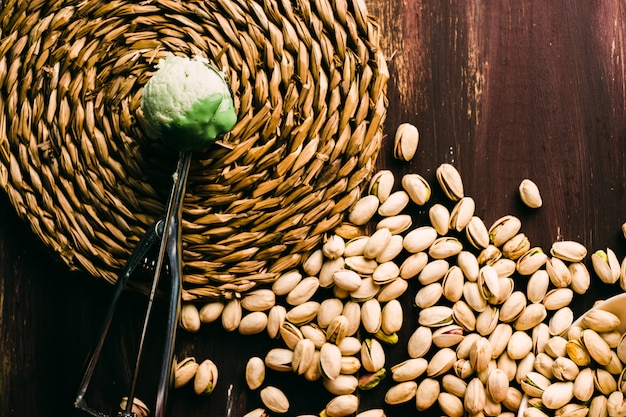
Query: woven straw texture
x=309 y=83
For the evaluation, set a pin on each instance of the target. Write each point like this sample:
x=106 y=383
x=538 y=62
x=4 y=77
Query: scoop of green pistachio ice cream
x=187 y=103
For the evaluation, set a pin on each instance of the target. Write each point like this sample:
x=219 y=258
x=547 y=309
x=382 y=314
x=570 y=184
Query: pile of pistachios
x=493 y=310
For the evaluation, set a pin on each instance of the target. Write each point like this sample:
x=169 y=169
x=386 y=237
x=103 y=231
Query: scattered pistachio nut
x=405 y=142
x=529 y=193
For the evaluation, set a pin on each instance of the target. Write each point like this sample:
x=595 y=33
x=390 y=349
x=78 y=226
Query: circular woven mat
x=309 y=83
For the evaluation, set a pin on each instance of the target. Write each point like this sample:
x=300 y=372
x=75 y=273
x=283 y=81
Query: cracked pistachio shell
x=439 y=217
x=499 y=339
x=363 y=210
x=342 y=385
x=333 y=247
x=464 y=316
x=359 y=264
x=473 y=296
x=452 y=284
x=534 y=384
x=419 y=342
x=487 y=320
x=558 y=272
x=463 y=368
x=328 y=269
x=497 y=385
x=598 y=406
x=450 y=181
x=386 y=272
x=597 y=347
x=185 y=371
x=330 y=360
x=291 y=334
x=253 y=323
x=392 y=317
x=462 y=213
x=366 y=291
x=450 y=405
x=210 y=312
x=532 y=315
x=274 y=399
x=303 y=313
x=397 y=224
x=480 y=354
x=537 y=286
x=413 y=265
x=568 y=250
x=279 y=359
x=557 y=395
x=428 y=295
x=381 y=184
x=405 y=142
x=231 y=316
x=303 y=292
x=392 y=250
x=520 y=345
x=314 y=333
x=515 y=247
x=524 y=367
x=504 y=229
x=445 y=247
x=206 y=378
x=558 y=298
x=255 y=372
x=448 y=336
x=371 y=315
x=604 y=381
x=427 y=393
x=621 y=380
x=477 y=233
x=529 y=193
x=337 y=329
x=606 y=265
x=543 y=364
x=329 y=309
x=564 y=369
x=620 y=349
x=286 y=282
x=488 y=281
x=303 y=356
x=475 y=396
x=556 y=347
x=139 y=408
x=441 y=362
x=394 y=205
x=342 y=406
x=433 y=271
x=314 y=372
x=417 y=188
x=531 y=261
x=465 y=345
x=372 y=355
x=468 y=263
x=600 y=320
x=561 y=321
x=435 y=316
x=392 y=290
x=506 y=287
x=401 y=393
x=377 y=243
x=541 y=336
x=347 y=279
x=409 y=369
x=454 y=385
x=512 y=307
x=490 y=255
x=419 y=239
x=190 y=318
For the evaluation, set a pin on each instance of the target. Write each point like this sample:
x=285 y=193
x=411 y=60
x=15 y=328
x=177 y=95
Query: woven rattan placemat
x=309 y=83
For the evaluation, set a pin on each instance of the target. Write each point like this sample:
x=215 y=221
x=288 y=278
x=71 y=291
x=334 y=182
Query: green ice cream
x=187 y=103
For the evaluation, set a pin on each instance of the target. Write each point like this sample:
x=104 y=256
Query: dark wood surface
x=503 y=90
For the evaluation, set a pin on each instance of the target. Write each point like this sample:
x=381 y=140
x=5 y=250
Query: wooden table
x=503 y=90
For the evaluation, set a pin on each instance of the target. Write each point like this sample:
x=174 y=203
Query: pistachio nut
x=452 y=284
x=330 y=360
x=561 y=321
x=329 y=309
x=475 y=397
x=427 y=393
x=492 y=408
x=405 y=142
x=512 y=307
x=274 y=399
x=371 y=380
x=439 y=218
x=386 y=272
x=435 y=316
x=286 y=282
x=345 y=278
x=473 y=296
x=448 y=336
x=620 y=349
x=583 y=385
x=569 y=251
x=312 y=263
x=598 y=406
x=615 y=366
x=350 y=365
x=531 y=261
x=504 y=229
x=604 y=381
x=253 y=323
x=349 y=346
x=556 y=346
x=622 y=275
x=409 y=369
x=419 y=239
x=210 y=312
x=337 y=329
x=574 y=332
x=381 y=184
x=600 y=320
x=392 y=250
x=417 y=188
x=564 y=369
x=190 y=318
x=363 y=210
x=314 y=333
x=333 y=247
x=206 y=378
x=497 y=385
x=355 y=247
x=463 y=368
x=372 y=355
x=377 y=243
x=513 y=399
x=275 y=319
x=394 y=205
x=597 y=347
x=488 y=282
x=462 y=213
x=621 y=380
x=303 y=313
x=428 y=295
x=465 y=345
x=616 y=404
x=343 y=384
x=290 y=334
x=469 y=265
x=371 y=315
x=463 y=315
x=450 y=181
x=606 y=265
x=558 y=395
x=255 y=372
x=184 y=371
x=450 y=404
x=352 y=311
x=520 y=345
x=558 y=272
x=303 y=356
x=490 y=255
x=487 y=320
x=441 y=362
x=314 y=372
x=534 y=412
x=558 y=298
x=541 y=336
x=515 y=247
x=257 y=412
x=453 y=385
x=534 y=384
x=524 y=366
x=532 y=315
x=396 y=224
x=445 y=247
x=543 y=365
x=480 y=354
x=392 y=290
x=231 y=315
x=612 y=338
x=366 y=291
x=392 y=317
x=139 y=408
x=433 y=271
x=477 y=233
x=529 y=194
x=401 y=393
x=572 y=410
x=499 y=339
x=505 y=289
x=419 y=342
x=328 y=269
x=387 y=338
x=537 y=286
x=504 y=267
x=413 y=265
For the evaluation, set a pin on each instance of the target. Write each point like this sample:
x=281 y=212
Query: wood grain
x=503 y=90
